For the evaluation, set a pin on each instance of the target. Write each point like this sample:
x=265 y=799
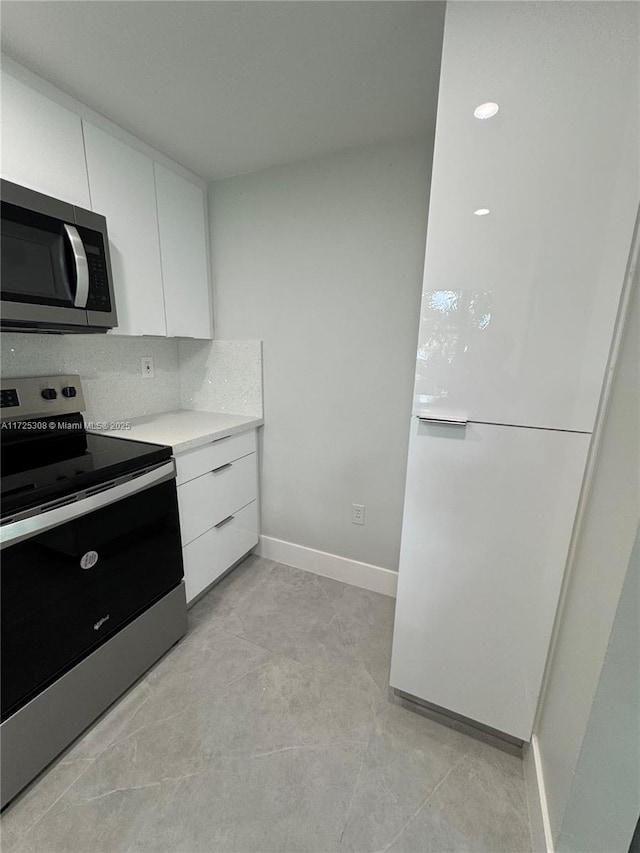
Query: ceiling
x=232 y=87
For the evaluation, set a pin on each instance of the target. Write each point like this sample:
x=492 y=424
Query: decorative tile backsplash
x=221 y=376
x=109 y=366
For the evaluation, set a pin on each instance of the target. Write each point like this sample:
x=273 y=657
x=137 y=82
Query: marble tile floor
x=270 y=728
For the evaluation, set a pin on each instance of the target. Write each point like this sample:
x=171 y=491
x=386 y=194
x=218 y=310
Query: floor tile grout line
x=258 y=584
x=255 y=669
x=347 y=638
x=354 y=650
x=217 y=591
x=316 y=582
x=426 y=802
x=355 y=788
x=365 y=753
x=176 y=780
x=116 y=791
x=125 y=722
x=145 y=823
x=352 y=645
x=89 y=761
x=382 y=781
x=320 y=587
x=143 y=727
x=283 y=656
x=246 y=640
x=308 y=746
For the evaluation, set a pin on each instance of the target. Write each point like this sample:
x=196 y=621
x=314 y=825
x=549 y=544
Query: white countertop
x=185 y=429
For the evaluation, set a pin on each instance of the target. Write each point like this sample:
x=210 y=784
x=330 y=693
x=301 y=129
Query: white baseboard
x=542 y=837
x=364 y=575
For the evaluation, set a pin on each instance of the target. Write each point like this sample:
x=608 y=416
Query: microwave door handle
x=82 y=267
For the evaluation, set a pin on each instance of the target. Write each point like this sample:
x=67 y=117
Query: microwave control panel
x=99 y=299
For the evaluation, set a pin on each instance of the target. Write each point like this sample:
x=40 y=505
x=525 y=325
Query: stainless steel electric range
x=91 y=578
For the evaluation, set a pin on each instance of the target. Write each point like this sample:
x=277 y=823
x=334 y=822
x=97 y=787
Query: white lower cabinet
x=218 y=504
x=210 y=555
x=194 y=463
x=214 y=496
x=487 y=523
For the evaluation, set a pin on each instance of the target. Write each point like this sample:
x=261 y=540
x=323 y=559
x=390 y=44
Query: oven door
x=74 y=576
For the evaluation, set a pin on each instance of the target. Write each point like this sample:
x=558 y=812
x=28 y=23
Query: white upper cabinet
x=519 y=305
x=156 y=219
x=42 y=144
x=123 y=189
x=183 y=246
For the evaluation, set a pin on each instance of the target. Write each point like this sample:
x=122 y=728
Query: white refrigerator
x=530 y=224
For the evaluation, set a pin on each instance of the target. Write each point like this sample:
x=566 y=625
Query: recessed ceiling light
x=487 y=110
x=482 y=211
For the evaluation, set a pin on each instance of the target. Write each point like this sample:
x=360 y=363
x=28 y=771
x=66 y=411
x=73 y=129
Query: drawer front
x=211 y=554
x=208 y=499
x=199 y=461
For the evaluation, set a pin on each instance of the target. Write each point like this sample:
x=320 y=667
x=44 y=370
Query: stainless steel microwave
x=55 y=265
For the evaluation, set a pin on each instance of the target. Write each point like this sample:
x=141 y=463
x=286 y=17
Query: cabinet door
x=487 y=522
x=123 y=189
x=183 y=245
x=42 y=144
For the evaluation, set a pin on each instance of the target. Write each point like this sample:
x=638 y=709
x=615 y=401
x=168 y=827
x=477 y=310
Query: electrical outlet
x=146 y=366
x=357 y=513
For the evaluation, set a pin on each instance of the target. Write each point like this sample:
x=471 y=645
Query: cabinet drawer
x=211 y=554
x=199 y=461
x=206 y=500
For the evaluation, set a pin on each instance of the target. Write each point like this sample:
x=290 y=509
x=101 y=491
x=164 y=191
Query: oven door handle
x=82 y=266
x=25 y=528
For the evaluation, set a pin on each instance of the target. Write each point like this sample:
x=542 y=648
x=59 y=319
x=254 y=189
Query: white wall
x=602 y=557
x=609 y=760
x=323 y=261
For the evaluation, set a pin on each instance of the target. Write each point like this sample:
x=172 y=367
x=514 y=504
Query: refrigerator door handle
x=444 y=419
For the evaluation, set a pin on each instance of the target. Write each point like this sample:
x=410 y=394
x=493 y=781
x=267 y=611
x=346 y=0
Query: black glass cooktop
x=36 y=472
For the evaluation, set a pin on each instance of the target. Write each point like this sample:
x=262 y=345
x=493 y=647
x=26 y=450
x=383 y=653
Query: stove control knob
x=69 y=391
x=49 y=393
